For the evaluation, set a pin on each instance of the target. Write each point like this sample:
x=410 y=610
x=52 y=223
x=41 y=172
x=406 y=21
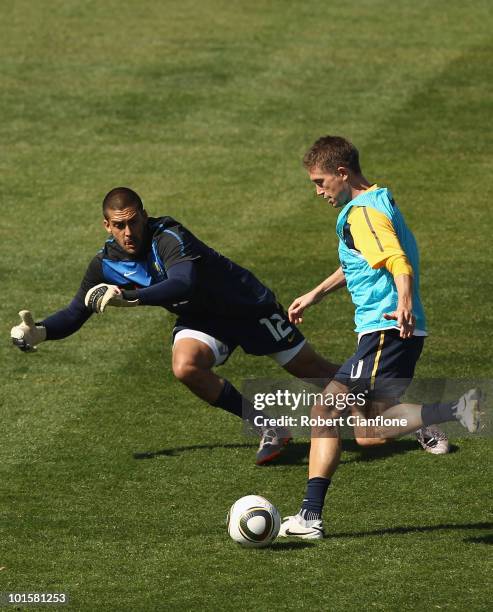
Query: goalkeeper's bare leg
x=193 y=363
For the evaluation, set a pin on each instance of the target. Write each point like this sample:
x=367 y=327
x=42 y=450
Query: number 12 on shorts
x=275 y=325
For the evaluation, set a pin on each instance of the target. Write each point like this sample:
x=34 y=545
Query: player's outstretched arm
x=331 y=283
x=178 y=287
x=62 y=323
x=27 y=335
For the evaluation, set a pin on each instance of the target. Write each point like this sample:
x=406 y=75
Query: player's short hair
x=331 y=152
x=120 y=198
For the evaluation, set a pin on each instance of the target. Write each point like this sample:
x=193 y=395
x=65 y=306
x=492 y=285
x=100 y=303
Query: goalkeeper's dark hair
x=120 y=198
x=331 y=152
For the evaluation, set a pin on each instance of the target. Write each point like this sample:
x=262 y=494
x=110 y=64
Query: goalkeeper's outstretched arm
x=67 y=321
x=28 y=334
x=178 y=287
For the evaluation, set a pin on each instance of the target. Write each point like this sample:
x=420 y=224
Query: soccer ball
x=253 y=521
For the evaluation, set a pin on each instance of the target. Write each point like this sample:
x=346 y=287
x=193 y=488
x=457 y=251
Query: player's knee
x=320 y=410
x=184 y=371
x=309 y=364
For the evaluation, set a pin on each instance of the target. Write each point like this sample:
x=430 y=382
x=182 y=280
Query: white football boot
x=298 y=527
x=433 y=440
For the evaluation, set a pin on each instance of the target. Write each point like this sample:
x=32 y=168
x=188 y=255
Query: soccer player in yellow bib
x=380 y=268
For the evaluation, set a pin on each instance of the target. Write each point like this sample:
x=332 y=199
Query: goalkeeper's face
x=127 y=226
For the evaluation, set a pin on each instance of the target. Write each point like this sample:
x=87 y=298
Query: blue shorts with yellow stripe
x=383 y=365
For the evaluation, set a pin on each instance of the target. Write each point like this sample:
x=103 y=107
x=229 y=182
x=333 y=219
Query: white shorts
x=221 y=350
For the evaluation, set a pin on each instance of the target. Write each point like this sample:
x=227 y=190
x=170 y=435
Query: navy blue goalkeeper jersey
x=222 y=288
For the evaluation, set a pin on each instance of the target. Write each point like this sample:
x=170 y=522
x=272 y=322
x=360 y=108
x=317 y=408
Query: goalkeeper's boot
x=433 y=440
x=467 y=412
x=296 y=526
x=272 y=442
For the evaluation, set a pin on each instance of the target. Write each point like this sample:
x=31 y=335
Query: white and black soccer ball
x=253 y=521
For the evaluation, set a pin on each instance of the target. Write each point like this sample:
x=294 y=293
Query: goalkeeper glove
x=100 y=296
x=27 y=335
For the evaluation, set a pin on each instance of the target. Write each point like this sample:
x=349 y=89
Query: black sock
x=432 y=414
x=233 y=402
x=313 y=503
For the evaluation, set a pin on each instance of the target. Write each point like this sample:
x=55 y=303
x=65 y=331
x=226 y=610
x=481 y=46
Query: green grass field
x=206 y=109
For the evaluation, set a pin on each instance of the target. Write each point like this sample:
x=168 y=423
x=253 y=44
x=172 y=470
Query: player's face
x=127 y=227
x=333 y=187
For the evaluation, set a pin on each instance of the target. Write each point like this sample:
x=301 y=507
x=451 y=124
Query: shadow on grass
x=486 y=539
x=281 y=546
x=297 y=452
x=403 y=530
x=396 y=447
x=172 y=452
